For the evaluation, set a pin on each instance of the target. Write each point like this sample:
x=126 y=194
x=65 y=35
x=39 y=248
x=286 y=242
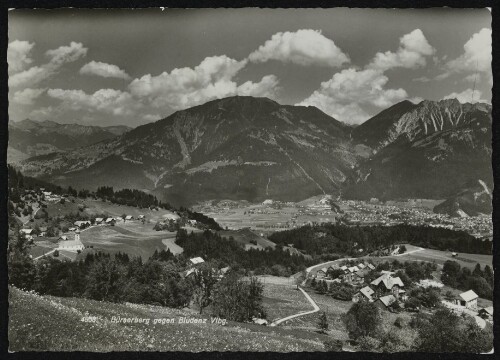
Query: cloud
x=108 y=101
x=18 y=55
x=186 y=87
x=466 y=96
x=477 y=51
x=304 y=47
x=412 y=53
x=57 y=58
x=44 y=113
x=343 y=95
x=103 y=69
x=27 y=96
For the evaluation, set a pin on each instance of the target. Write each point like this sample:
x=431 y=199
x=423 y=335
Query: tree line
x=358 y=240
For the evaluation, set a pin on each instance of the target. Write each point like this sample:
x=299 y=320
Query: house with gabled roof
x=364 y=294
x=197 y=260
x=385 y=301
x=467 y=299
x=387 y=283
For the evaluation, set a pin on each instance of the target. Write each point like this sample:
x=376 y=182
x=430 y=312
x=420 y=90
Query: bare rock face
x=431 y=151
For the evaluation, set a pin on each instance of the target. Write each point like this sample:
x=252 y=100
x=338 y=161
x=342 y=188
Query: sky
x=130 y=67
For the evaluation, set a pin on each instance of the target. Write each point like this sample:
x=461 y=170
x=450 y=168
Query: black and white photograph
x=250 y=180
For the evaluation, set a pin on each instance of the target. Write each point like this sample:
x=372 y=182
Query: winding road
x=315 y=306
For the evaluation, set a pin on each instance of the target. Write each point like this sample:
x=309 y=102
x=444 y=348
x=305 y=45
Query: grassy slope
x=40 y=323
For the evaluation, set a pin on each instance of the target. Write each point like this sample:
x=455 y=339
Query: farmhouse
x=140 y=217
x=344 y=269
x=129 y=217
x=43 y=230
x=361 y=266
x=364 y=294
x=98 y=220
x=196 y=260
x=467 y=299
x=110 y=221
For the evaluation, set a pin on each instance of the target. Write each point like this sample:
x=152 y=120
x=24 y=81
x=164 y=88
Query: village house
x=467 y=299
x=386 y=283
x=486 y=313
x=43 y=231
x=364 y=294
x=140 y=217
x=128 y=218
x=63 y=237
x=321 y=273
x=385 y=301
x=27 y=232
x=197 y=260
x=98 y=221
x=370 y=266
x=81 y=224
x=110 y=221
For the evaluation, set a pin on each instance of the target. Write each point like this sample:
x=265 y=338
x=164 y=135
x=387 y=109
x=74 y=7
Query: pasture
x=141 y=241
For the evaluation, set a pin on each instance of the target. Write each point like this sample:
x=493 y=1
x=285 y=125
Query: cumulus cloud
x=343 y=95
x=104 y=70
x=27 y=96
x=109 y=101
x=477 y=52
x=18 y=55
x=57 y=58
x=44 y=113
x=304 y=47
x=186 y=87
x=466 y=96
x=412 y=53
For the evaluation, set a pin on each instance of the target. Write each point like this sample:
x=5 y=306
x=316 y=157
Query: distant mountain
x=430 y=151
x=476 y=198
x=244 y=148
x=31 y=138
x=234 y=148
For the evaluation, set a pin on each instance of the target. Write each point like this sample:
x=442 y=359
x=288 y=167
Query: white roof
x=367 y=291
x=489 y=310
x=197 y=260
x=361 y=266
x=343 y=267
x=469 y=295
x=98 y=219
x=128 y=217
x=109 y=219
x=27 y=231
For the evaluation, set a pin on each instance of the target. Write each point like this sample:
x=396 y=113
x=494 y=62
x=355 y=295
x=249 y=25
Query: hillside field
x=47 y=323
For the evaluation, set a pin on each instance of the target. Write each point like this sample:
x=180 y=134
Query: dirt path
x=316 y=309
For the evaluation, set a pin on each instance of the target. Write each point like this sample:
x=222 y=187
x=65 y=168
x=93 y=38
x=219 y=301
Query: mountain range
x=29 y=138
x=254 y=148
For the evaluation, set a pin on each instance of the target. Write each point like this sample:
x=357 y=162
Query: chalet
x=110 y=221
x=467 y=299
x=364 y=294
x=454 y=254
x=197 y=260
x=361 y=266
x=486 y=313
x=140 y=217
x=344 y=269
x=385 y=301
x=129 y=217
x=98 y=220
